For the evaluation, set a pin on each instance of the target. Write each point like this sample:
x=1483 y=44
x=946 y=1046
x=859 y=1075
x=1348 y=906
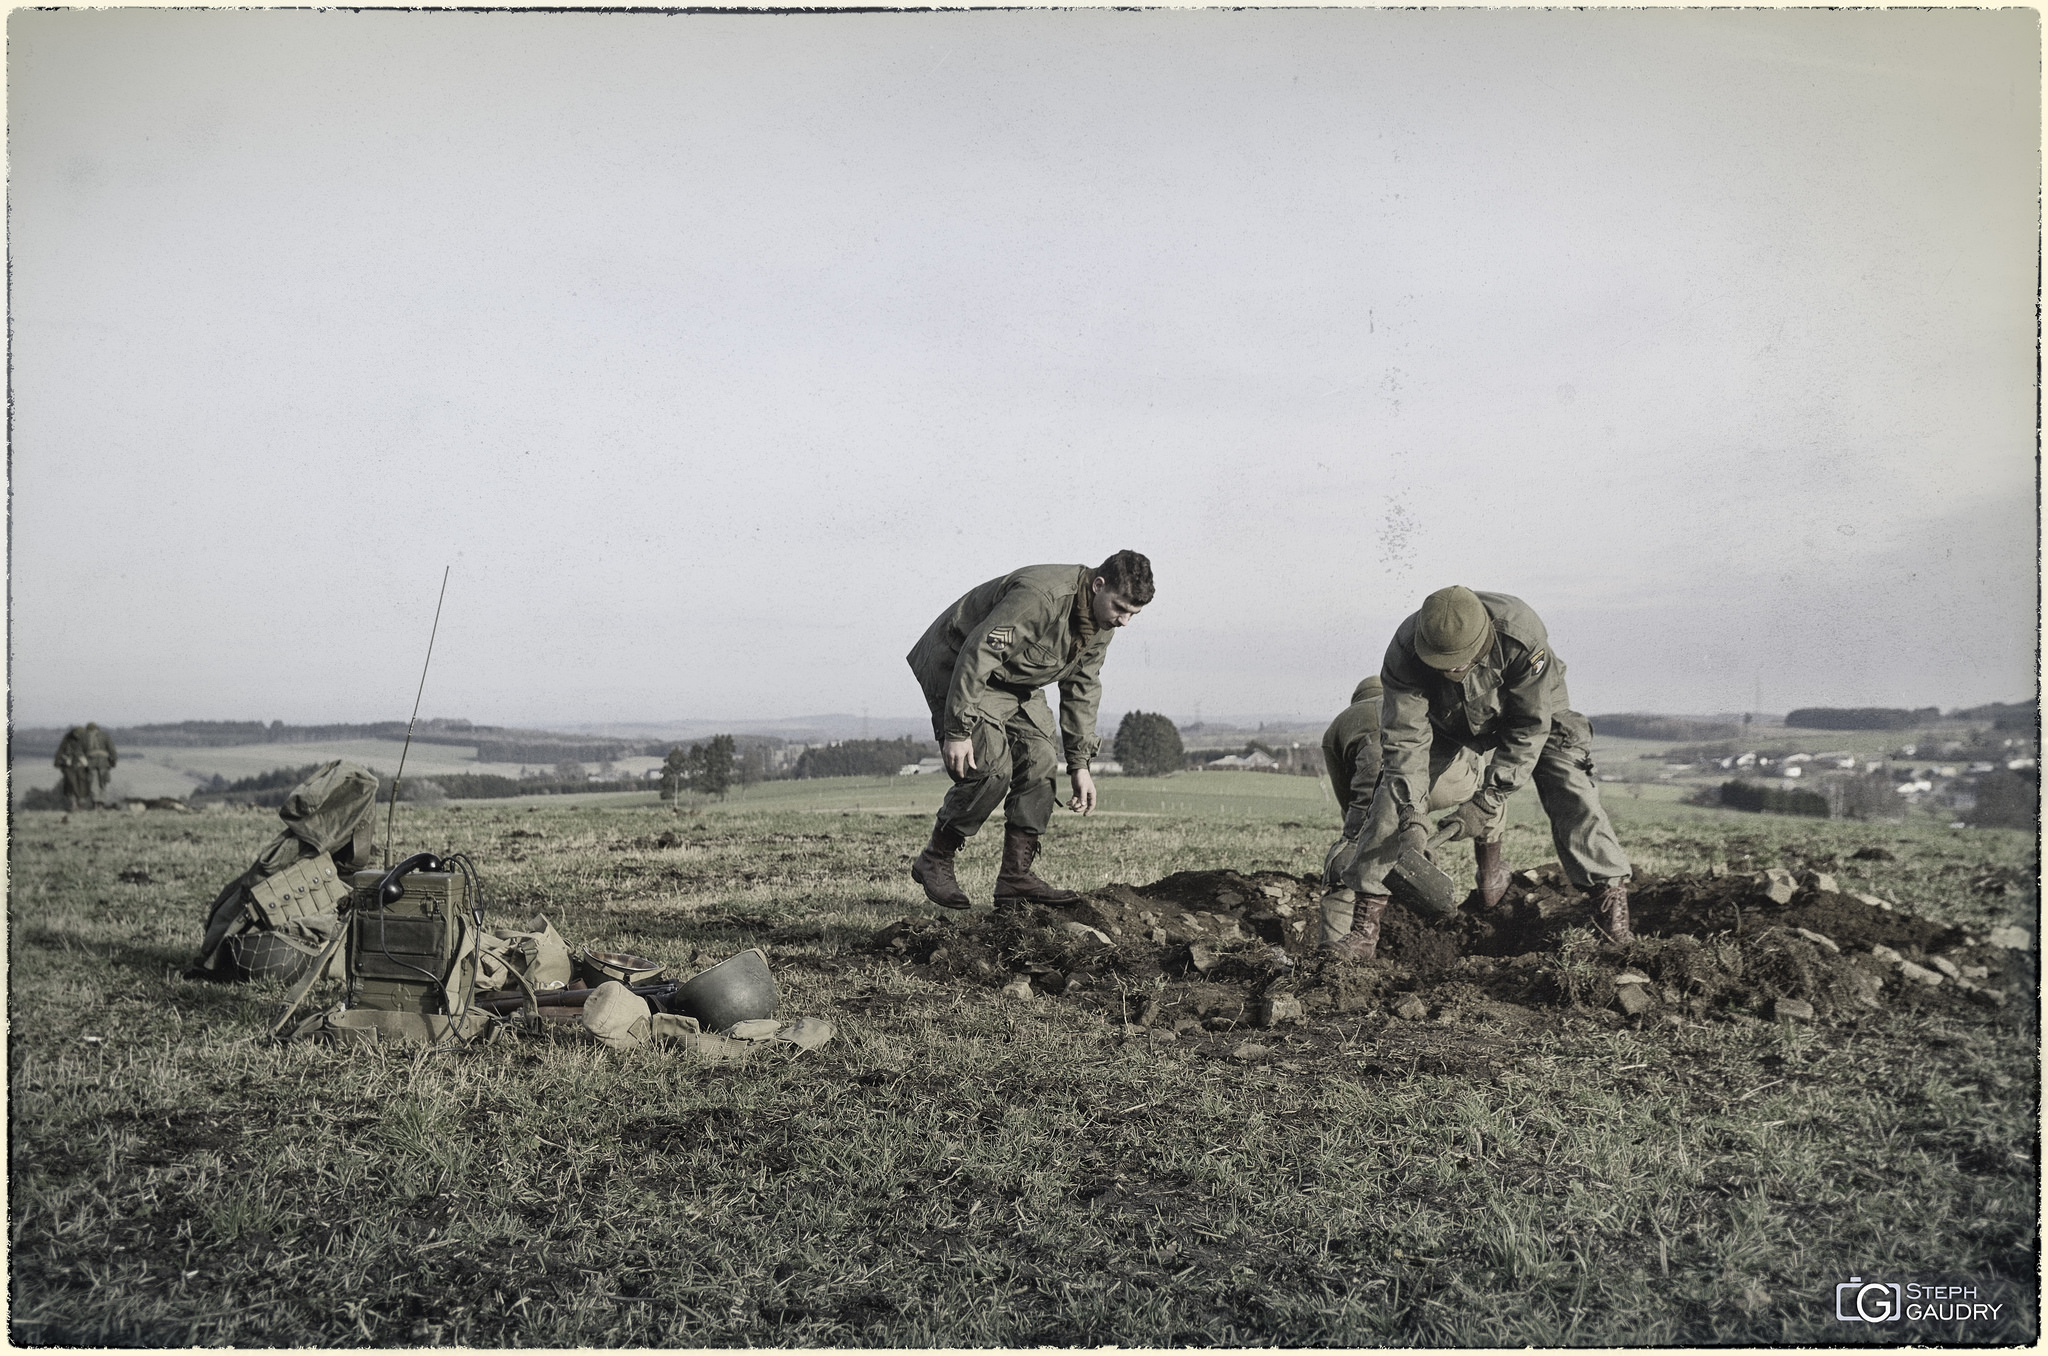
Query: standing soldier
x=1474 y=671
x=85 y=757
x=981 y=665
x=1351 y=752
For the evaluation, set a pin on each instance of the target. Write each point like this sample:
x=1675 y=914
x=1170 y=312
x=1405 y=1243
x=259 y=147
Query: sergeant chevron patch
x=1000 y=638
x=1538 y=661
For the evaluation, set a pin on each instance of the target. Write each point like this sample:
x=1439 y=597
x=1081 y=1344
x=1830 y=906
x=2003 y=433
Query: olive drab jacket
x=1029 y=629
x=86 y=745
x=1505 y=704
x=1351 y=751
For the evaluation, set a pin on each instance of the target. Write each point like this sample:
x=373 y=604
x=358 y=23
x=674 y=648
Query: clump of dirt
x=1220 y=950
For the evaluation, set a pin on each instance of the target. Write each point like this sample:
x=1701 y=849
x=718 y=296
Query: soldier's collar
x=1083 y=621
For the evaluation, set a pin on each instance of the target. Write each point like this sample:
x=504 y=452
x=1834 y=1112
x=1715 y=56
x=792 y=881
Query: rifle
x=657 y=994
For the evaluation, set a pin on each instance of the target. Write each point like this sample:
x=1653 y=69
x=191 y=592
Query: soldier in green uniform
x=1351 y=752
x=981 y=665
x=1474 y=671
x=85 y=757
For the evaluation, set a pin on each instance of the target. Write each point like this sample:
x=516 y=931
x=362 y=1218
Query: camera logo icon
x=1861 y=1301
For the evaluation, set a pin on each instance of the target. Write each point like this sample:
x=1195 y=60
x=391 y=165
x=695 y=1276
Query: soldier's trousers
x=1016 y=762
x=78 y=787
x=1585 y=841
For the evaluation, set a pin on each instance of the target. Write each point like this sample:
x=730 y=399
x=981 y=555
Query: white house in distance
x=1255 y=761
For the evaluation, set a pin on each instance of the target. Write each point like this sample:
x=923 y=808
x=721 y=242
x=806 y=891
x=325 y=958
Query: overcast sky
x=718 y=353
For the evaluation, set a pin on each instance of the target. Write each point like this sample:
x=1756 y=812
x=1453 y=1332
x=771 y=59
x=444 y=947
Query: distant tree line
x=1638 y=725
x=1741 y=795
x=560 y=750
x=277 y=779
x=861 y=757
x=2005 y=715
x=711 y=767
x=1861 y=717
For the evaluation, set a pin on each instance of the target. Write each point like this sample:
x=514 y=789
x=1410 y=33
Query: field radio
x=412 y=936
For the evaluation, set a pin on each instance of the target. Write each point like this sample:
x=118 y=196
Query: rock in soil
x=1277 y=1008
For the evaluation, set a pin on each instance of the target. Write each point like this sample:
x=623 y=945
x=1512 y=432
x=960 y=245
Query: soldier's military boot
x=1363 y=941
x=933 y=869
x=1610 y=910
x=1016 y=881
x=1493 y=873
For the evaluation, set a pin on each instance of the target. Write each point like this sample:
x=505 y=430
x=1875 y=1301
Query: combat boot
x=1016 y=882
x=1610 y=911
x=933 y=869
x=1363 y=941
x=1492 y=871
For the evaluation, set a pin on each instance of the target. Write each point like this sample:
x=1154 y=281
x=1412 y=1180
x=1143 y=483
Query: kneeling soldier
x=981 y=665
x=1474 y=671
x=1351 y=751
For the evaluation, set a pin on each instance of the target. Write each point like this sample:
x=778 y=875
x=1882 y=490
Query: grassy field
x=959 y=1168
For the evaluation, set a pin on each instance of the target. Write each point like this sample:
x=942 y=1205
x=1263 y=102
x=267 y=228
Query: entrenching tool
x=1421 y=884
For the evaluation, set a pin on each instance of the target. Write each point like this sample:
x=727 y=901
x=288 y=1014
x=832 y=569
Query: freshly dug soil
x=1218 y=951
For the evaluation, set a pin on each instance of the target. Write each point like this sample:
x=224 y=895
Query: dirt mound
x=1221 y=950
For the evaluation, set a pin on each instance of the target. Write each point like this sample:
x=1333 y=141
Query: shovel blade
x=1422 y=885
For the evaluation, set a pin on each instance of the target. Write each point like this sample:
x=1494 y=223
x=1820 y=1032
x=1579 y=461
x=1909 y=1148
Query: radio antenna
x=391 y=814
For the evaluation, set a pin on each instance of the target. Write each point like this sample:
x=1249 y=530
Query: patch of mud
x=1216 y=951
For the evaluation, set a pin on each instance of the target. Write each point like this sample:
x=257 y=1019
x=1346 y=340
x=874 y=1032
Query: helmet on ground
x=737 y=989
x=269 y=955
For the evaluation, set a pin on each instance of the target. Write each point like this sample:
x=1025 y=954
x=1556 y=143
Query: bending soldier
x=981 y=665
x=86 y=758
x=1351 y=752
x=1474 y=671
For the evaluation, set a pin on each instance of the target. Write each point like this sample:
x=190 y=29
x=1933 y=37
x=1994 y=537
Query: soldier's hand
x=959 y=756
x=1467 y=821
x=1415 y=838
x=1084 y=791
x=1337 y=860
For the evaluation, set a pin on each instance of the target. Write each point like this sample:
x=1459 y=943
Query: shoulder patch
x=1001 y=638
x=1539 y=661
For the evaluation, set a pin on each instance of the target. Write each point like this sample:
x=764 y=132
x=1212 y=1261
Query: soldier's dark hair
x=1129 y=574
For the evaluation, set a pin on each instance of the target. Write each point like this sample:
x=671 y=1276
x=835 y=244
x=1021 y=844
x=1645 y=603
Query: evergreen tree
x=1148 y=745
x=674 y=770
x=714 y=766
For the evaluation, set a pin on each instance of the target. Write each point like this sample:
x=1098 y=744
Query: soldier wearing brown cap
x=1474 y=671
x=982 y=664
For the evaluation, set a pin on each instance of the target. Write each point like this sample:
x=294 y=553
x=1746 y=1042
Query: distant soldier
x=1474 y=671
x=85 y=757
x=981 y=665
x=1351 y=752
